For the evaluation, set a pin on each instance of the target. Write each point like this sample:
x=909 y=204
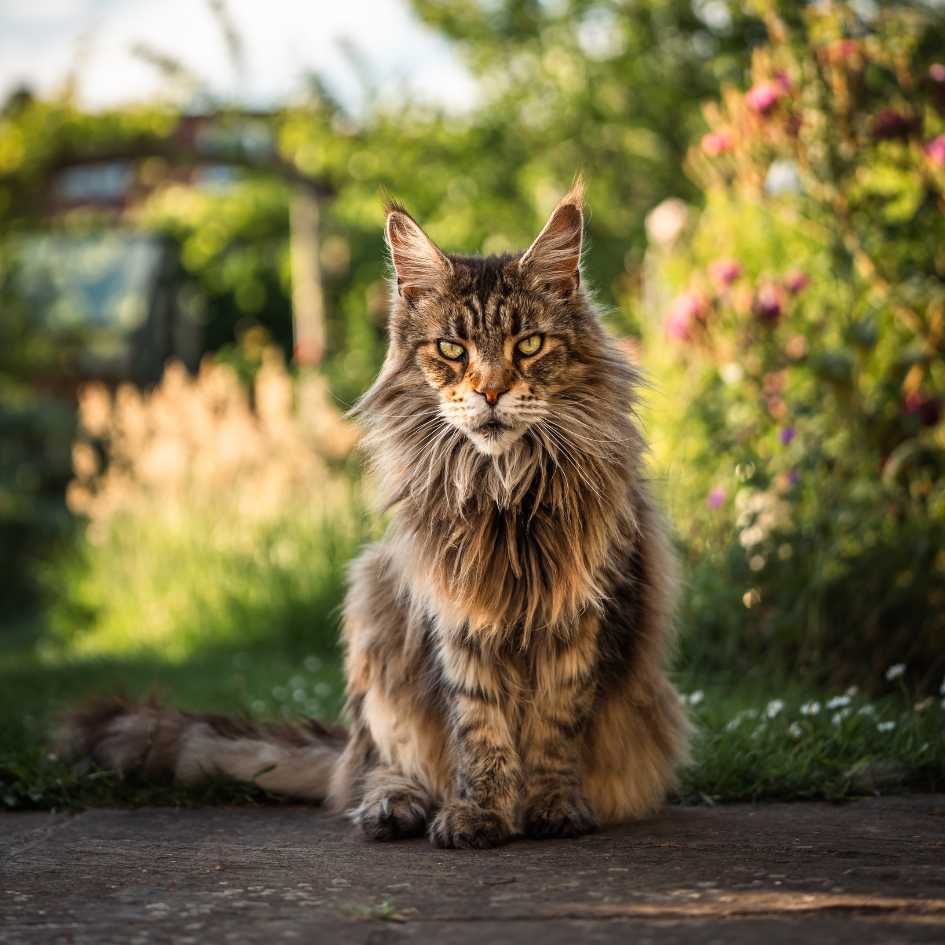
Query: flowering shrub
x=208 y=510
x=801 y=361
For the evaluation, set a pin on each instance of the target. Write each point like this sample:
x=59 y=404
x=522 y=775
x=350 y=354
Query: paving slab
x=871 y=871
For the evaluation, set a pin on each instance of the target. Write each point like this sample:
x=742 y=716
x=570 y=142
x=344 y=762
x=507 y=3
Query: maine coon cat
x=506 y=641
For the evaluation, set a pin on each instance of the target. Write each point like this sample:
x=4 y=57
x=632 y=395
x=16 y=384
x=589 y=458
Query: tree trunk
x=308 y=300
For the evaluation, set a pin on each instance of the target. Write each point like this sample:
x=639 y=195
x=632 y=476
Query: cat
x=506 y=641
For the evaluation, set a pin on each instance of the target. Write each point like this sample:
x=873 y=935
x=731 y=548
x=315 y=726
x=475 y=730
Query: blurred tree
x=610 y=88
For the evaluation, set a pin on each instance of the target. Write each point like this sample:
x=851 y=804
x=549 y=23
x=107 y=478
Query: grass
x=259 y=681
x=797 y=744
x=751 y=744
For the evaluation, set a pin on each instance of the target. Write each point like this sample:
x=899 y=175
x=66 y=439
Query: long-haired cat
x=506 y=640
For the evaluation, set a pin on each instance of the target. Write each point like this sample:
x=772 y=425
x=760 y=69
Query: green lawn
x=752 y=743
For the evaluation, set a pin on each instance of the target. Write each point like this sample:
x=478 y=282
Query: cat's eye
x=530 y=345
x=451 y=350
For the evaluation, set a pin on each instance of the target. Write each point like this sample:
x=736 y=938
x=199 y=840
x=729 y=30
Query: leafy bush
x=211 y=519
x=800 y=361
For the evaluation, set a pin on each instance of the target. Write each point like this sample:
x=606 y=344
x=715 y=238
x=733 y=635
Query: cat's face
x=495 y=359
x=497 y=339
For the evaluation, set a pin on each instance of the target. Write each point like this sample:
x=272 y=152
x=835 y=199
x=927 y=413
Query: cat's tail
x=295 y=759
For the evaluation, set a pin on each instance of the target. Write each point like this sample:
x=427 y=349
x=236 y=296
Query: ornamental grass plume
x=205 y=442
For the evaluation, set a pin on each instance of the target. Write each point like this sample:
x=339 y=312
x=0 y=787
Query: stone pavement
x=872 y=871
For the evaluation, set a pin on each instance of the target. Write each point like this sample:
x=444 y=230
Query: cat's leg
x=393 y=806
x=637 y=739
x=481 y=812
x=553 y=732
x=638 y=735
x=395 y=768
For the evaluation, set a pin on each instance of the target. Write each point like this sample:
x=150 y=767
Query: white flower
x=696 y=697
x=895 y=671
x=810 y=708
x=795 y=730
x=774 y=708
x=740 y=717
x=666 y=221
x=852 y=691
x=838 y=717
x=866 y=709
x=885 y=726
x=838 y=701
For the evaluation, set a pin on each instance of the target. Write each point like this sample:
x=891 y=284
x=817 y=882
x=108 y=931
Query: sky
x=41 y=41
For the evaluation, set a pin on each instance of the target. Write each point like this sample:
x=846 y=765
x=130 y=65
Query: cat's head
x=496 y=342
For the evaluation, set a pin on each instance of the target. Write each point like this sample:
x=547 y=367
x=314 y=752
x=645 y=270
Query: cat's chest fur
x=511 y=570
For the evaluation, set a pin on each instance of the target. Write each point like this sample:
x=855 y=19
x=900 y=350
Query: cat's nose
x=492 y=392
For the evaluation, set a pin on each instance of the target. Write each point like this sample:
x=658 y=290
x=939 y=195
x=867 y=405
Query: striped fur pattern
x=506 y=641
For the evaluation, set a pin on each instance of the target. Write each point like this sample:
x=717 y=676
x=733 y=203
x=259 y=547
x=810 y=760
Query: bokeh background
x=192 y=292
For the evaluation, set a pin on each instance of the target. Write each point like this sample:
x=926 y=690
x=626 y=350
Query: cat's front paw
x=464 y=825
x=391 y=817
x=564 y=814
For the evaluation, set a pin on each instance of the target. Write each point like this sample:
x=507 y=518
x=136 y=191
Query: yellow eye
x=530 y=345
x=451 y=350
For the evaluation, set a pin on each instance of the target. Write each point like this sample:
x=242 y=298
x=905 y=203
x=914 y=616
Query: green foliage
x=804 y=747
x=149 y=586
x=800 y=366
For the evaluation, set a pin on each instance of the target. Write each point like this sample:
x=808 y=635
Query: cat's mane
x=520 y=541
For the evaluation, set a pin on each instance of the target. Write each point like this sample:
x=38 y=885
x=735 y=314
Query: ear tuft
x=555 y=257
x=418 y=262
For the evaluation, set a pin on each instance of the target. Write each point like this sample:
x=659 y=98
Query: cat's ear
x=554 y=258
x=418 y=262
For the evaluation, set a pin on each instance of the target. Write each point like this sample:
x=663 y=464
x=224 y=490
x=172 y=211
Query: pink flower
x=784 y=80
x=765 y=95
x=935 y=151
x=796 y=281
x=890 y=123
x=925 y=407
x=715 y=498
x=717 y=142
x=843 y=50
x=768 y=304
x=937 y=77
x=723 y=272
x=685 y=311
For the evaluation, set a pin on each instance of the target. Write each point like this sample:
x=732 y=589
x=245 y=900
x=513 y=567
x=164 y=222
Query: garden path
x=871 y=871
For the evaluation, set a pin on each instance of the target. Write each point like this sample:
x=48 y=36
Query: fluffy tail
x=291 y=758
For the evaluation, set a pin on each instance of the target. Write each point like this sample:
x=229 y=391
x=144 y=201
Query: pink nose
x=492 y=393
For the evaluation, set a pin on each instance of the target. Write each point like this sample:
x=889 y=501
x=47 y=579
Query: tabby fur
x=506 y=641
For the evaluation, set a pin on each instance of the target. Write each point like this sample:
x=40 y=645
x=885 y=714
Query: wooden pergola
x=308 y=193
